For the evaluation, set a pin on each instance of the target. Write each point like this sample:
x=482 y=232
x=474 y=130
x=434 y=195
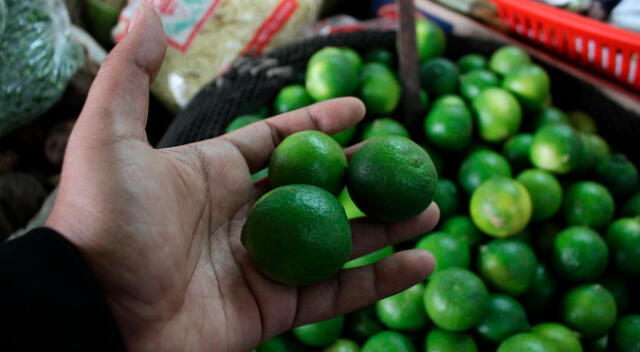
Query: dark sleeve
x=50 y=300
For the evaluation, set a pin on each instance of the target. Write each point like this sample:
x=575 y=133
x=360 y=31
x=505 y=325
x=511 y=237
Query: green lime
x=539 y=295
x=527 y=342
x=363 y=323
x=439 y=76
x=309 y=157
x=590 y=310
x=446 y=197
x=506 y=318
x=449 y=250
x=625 y=336
x=331 y=74
x=556 y=148
x=260 y=174
x=381 y=56
x=449 y=100
x=588 y=203
x=632 y=206
x=438 y=340
x=379 y=89
x=344 y=137
x=550 y=115
x=530 y=84
x=581 y=121
x=384 y=127
x=424 y=100
x=623 y=237
x=298 y=235
x=619 y=289
x=472 y=62
x=508 y=265
x=618 y=174
x=430 y=39
x=369 y=258
x=598 y=147
x=461 y=225
x=474 y=82
x=436 y=158
x=456 y=299
x=517 y=149
x=404 y=310
x=500 y=207
x=479 y=167
x=281 y=343
x=391 y=178
x=241 y=121
x=321 y=333
x=545 y=192
x=353 y=57
x=498 y=114
x=342 y=345
x=507 y=59
x=388 y=341
x=350 y=207
x=564 y=339
x=291 y=98
x=449 y=126
x=599 y=345
x=580 y=254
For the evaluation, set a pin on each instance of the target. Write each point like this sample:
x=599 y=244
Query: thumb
x=118 y=101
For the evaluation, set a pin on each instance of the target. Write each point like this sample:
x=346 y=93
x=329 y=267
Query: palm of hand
x=161 y=228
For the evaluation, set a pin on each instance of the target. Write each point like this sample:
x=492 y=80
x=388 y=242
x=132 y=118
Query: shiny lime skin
x=384 y=126
x=472 y=62
x=342 y=345
x=369 y=258
x=363 y=323
x=353 y=57
x=501 y=207
x=404 y=310
x=281 y=343
x=507 y=59
x=291 y=98
x=297 y=235
x=550 y=115
x=388 y=341
x=562 y=337
x=474 y=82
x=456 y=299
x=557 y=148
x=379 y=89
x=311 y=158
x=242 y=121
x=462 y=225
x=618 y=174
x=331 y=74
x=542 y=288
x=588 y=203
x=590 y=310
x=439 y=76
x=344 y=137
x=447 y=198
x=480 y=166
x=449 y=126
x=321 y=333
x=391 y=178
x=625 y=336
x=498 y=114
x=430 y=39
x=506 y=317
x=623 y=237
x=632 y=206
x=527 y=342
x=545 y=192
x=508 y=265
x=580 y=254
x=438 y=340
x=449 y=250
x=517 y=149
x=530 y=85
x=598 y=147
x=381 y=56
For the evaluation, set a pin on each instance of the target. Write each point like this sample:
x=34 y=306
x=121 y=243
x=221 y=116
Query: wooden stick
x=409 y=70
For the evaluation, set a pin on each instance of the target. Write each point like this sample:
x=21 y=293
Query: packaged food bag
x=37 y=59
x=205 y=36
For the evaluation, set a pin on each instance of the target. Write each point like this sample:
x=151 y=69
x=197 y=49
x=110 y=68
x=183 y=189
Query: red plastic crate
x=592 y=43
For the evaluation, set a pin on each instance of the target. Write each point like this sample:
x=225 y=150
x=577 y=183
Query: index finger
x=257 y=141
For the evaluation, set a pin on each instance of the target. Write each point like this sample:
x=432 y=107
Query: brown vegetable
x=56 y=142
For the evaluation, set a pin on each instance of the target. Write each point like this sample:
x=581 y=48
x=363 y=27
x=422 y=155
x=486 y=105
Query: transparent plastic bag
x=37 y=59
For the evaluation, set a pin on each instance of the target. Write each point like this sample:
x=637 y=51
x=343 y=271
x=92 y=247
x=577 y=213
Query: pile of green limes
x=538 y=245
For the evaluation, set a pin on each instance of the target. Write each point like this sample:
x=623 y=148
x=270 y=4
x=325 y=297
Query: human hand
x=161 y=228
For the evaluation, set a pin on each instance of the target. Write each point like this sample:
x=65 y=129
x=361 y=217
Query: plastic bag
x=205 y=36
x=37 y=59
